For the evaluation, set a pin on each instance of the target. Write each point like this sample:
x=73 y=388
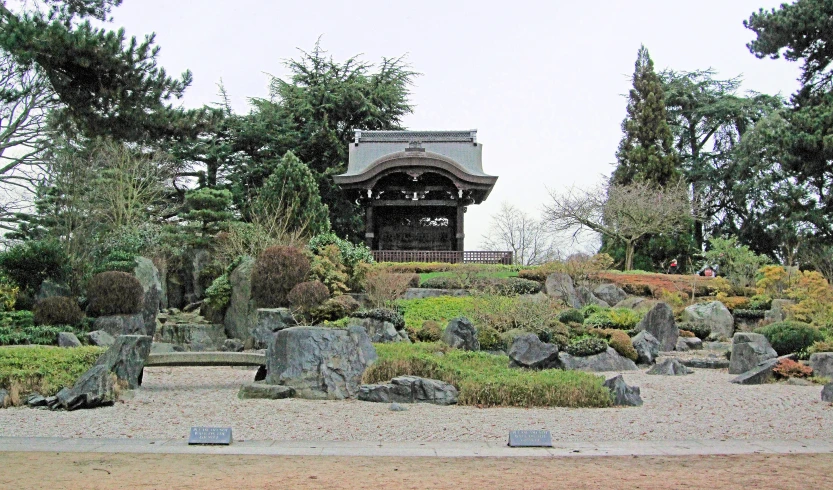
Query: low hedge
x=45 y=370
x=485 y=380
x=788 y=337
x=18 y=328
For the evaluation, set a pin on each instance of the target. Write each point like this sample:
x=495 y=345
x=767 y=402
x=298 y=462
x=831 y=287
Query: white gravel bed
x=703 y=405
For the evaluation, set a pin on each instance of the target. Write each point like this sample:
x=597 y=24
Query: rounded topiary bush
x=58 y=310
x=489 y=339
x=337 y=308
x=383 y=314
x=571 y=316
x=308 y=295
x=586 y=346
x=276 y=271
x=700 y=330
x=114 y=293
x=788 y=337
x=430 y=331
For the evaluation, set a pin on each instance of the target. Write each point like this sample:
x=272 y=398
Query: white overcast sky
x=542 y=82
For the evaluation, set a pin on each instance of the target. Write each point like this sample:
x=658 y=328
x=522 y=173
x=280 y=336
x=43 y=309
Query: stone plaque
x=530 y=438
x=210 y=436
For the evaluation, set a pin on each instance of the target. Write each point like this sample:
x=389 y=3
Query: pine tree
x=646 y=152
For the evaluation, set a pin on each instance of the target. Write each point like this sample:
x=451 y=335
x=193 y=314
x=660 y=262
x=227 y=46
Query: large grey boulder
x=461 y=334
x=659 y=322
x=623 y=395
x=264 y=391
x=777 y=310
x=827 y=393
x=610 y=360
x=380 y=331
x=669 y=367
x=269 y=322
x=586 y=297
x=646 y=346
x=116 y=325
x=68 y=339
x=241 y=315
x=822 y=364
x=127 y=357
x=148 y=276
x=527 y=351
x=95 y=388
x=410 y=389
x=560 y=286
x=749 y=350
x=101 y=338
x=760 y=374
x=610 y=293
x=715 y=315
x=319 y=362
x=193 y=337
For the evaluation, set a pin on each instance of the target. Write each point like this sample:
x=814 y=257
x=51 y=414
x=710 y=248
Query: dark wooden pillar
x=369 y=227
x=460 y=235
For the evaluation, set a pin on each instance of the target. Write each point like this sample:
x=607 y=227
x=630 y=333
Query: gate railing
x=449 y=256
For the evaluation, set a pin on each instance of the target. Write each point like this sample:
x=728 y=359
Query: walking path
x=415 y=449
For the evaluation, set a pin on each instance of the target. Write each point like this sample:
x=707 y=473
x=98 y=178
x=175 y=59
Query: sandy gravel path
x=703 y=405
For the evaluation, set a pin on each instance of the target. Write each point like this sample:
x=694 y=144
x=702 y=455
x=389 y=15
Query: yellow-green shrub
x=44 y=369
x=619 y=340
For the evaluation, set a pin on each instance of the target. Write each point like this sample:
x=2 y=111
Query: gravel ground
x=703 y=405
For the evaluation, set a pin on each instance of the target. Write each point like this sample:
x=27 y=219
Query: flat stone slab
x=206 y=359
x=265 y=391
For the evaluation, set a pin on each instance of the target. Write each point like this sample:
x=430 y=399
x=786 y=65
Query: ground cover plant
x=18 y=328
x=486 y=380
x=45 y=370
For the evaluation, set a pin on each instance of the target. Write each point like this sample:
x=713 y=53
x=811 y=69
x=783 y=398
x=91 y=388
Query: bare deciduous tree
x=527 y=238
x=624 y=213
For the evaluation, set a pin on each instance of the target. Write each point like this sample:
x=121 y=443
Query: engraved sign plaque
x=216 y=436
x=530 y=438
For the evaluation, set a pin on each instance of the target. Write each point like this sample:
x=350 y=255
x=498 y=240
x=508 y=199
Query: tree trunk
x=629 y=246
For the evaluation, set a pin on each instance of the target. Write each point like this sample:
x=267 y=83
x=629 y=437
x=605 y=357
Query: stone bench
x=196 y=359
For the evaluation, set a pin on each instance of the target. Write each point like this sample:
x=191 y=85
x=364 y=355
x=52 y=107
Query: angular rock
x=461 y=334
x=232 y=345
x=319 y=362
x=822 y=364
x=193 y=337
x=688 y=343
x=126 y=358
x=646 y=346
x=165 y=348
x=610 y=360
x=586 y=297
x=706 y=362
x=379 y=331
x=68 y=339
x=49 y=289
x=95 y=388
x=610 y=293
x=760 y=374
x=715 y=315
x=269 y=322
x=669 y=367
x=527 y=351
x=777 y=311
x=117 y=325
x=241 y=314
x=36 y=401
x=560 y=286
x=101 y=338
x=748 y=351
x=410 y=389
x=395 y=407
x=148 y=276
x=623 y=395
x=5 y=399
x=659 y=322
x=265 y=391
x=827 y=393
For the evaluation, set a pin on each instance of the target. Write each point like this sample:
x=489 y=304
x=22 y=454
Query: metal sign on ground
x=530 y=438
x=214 y=436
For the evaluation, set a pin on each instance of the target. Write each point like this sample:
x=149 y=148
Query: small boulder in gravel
x=101 y=338
x=610 y=293
x=232 y=345
x=527 y=351
x=827 y=393
x=685 y=344
x=264 y=391
x=659 y=322
x=395 y=407
x=623 y=395
x=68 y=339
x=822 y=364
x=461 y=334
x=669 y=367
x=36 y=400
x=126 y=358
x=760 y=374
x=410 y=389
x=610 y=360
x=748 y=351
x=647 y=347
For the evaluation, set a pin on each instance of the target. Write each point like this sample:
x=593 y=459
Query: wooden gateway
x=415 y=186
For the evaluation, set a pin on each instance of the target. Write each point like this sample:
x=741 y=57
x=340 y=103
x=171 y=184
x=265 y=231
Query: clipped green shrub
x=58 y=310
x=559 y=334
x=700 y=330
x=30 y=263
x=485 y=380
x=586 y=346
x=18 y=328
x=117 y=260
x=276 y=271
x=749 y=314
x=619 y=318
x=571 y=315
x=589 y=310
x=513 y=286
x=383 y=314
x=489 y=339
x=790 y=336
x=114 y=293
x=336 y=308
x=308 y=295
x=218 y=294
x=760 y=302
x=44 y=370
x=619 y=340
x=430 y=331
